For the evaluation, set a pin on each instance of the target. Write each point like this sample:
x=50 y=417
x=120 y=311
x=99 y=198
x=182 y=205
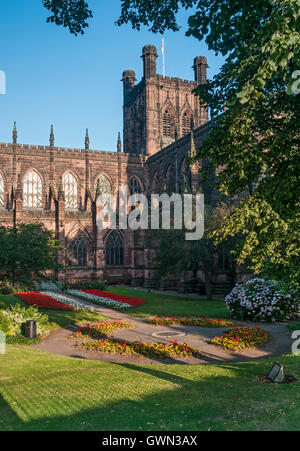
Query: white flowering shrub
x=262 y=300
x=14 y=317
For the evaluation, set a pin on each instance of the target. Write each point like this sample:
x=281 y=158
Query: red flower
x=134 y=302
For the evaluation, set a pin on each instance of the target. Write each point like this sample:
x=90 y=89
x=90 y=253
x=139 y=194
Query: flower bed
x=241 y=338
x=51 y=300
x=68 y=300
x=188 y=321
x=42 y=300
x=262 y=300
x=138 y=348
x=104 y=298
x=102 y=328
x=94 y=337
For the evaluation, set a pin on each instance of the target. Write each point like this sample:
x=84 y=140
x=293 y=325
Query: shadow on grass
x=222 y=397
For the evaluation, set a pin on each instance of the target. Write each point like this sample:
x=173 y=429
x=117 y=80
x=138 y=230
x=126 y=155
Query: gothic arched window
x=77 y=252
x=103 y=186
x=70 y=190
x=2 y=192
x=134 y=186
x=186 y=124
x=32 y=190
x=114 y=250
x=168 y=124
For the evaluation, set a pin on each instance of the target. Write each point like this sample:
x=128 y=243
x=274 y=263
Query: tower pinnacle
x=119 y=145
x=87 y=140
x=51 y=137
x=15 y=133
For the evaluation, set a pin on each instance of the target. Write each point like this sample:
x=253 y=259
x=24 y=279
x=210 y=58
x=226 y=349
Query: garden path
x=58 y=341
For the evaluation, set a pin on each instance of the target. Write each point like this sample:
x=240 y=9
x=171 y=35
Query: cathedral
x=164 y=124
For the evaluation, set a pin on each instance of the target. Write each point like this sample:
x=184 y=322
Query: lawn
x=57 y=318
x=294 y=326
x=40 y=391
x=166 y=305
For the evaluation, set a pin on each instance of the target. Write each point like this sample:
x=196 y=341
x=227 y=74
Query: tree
x=26 y=252
x=72 y=14
x=173 y=254
x=255 y=143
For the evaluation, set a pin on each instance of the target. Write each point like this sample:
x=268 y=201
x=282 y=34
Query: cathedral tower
x=159 y=110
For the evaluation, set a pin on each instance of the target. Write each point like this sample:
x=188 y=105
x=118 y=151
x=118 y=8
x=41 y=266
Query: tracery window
x=2 y=192
x=103 y=185
x=114 y=250
x=186 y=124
x=32 y=190
x=168 y=124
x=70 y=190
x=77 y=252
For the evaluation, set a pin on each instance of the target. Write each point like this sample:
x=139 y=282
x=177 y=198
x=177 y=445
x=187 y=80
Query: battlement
x=36 y=150
x=176 y=81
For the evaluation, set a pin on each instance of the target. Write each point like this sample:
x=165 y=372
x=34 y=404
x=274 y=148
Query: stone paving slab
x=58 y=342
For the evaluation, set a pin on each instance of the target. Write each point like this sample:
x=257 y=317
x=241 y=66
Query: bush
x=6 y=324
x=14 y=317
x=5 y=289
x=262 y=300
x=91 y=285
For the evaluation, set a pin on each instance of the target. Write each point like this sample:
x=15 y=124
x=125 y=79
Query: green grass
x=294 y=326
x=166 y=305
x=40 y=391
x=57 y=318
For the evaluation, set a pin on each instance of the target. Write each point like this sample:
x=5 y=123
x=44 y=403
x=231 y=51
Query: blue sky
x=74 y=82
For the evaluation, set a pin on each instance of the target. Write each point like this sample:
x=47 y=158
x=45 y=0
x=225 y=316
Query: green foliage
x=255 y=143
x=263 y=300
x=26 y=252
x=173 y=254
x=13 y=319
x=72 y=14
x=90 y=285
x=5 y=323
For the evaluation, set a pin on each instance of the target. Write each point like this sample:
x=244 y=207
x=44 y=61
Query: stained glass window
x=33 y=190
x=70 y=190
x=2 y=192
x=77 y=252
x=114 y=250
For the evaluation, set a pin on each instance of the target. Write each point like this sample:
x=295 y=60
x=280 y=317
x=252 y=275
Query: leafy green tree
x=173 y=254
x=26 y=252
x=255 y=142
x=72 y=14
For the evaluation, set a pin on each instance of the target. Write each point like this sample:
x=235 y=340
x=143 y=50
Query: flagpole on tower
x=163 y=54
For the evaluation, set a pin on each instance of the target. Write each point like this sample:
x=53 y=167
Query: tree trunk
x=208 y=284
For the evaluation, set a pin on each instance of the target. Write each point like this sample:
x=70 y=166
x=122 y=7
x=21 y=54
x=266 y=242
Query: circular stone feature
x=168 y=334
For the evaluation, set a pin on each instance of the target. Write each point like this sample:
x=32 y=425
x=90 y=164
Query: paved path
x=58 y=342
